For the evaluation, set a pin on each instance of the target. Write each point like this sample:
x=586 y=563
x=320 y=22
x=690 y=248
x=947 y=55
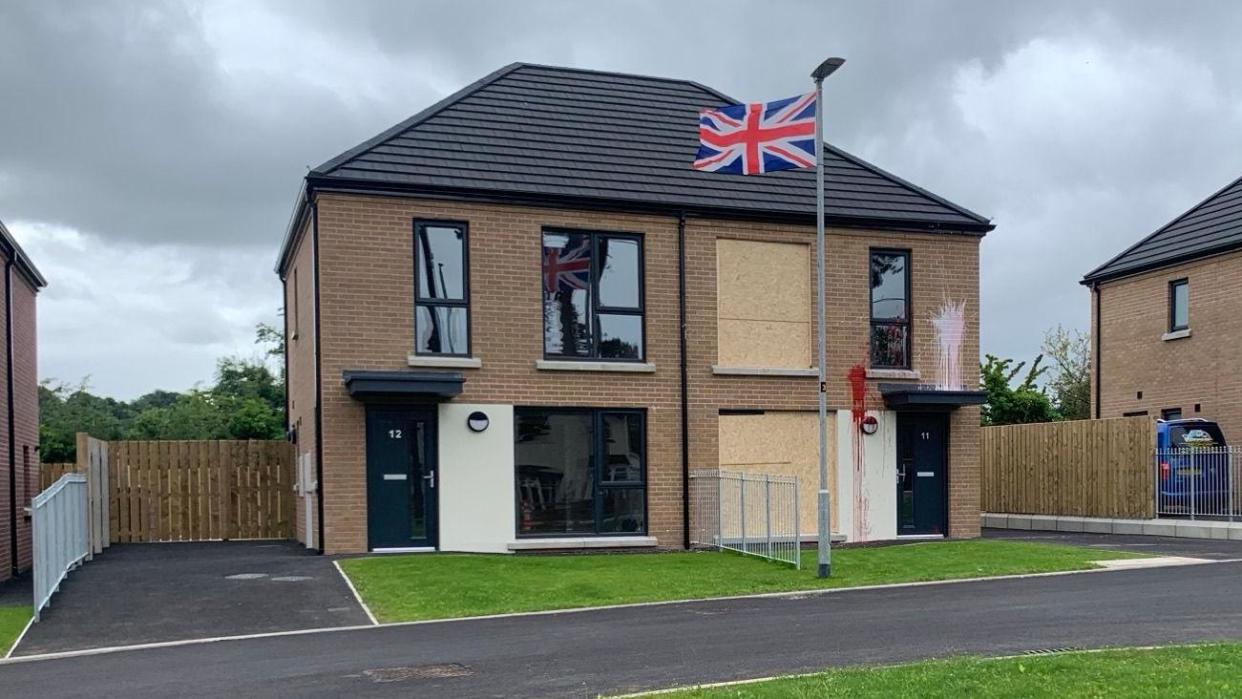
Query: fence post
x=719 y=509
x=1229 y=478
x=767 y=509
x=745 y=549
x=1193 y=477
x=797 y=526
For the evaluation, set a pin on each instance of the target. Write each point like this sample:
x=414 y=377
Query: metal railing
x=1198 y=483
x=755 y=514
x=60 y=533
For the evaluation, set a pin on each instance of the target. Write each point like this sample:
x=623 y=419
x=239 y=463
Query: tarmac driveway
x=144 y=593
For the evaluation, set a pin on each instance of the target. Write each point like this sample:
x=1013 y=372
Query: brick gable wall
x=1203 y=369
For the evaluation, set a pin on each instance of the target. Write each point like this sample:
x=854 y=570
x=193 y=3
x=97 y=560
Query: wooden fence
x=195 y=490
x=1085 y=468
x=50 y=473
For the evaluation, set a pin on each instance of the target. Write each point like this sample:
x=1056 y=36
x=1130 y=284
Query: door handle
x=430 y=477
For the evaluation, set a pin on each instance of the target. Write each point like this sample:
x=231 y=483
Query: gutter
x=685 y=392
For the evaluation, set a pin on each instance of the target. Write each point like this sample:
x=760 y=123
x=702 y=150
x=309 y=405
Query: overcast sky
x=150 y=152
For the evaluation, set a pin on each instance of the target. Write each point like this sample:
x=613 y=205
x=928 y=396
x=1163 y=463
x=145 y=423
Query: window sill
x=1175 y=335
x=415 y=360
x=570 y=365
x=911 y=374
x=585 y=542
x=762 y=371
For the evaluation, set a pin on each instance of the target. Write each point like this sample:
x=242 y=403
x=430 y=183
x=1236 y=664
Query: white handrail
x=60 y=534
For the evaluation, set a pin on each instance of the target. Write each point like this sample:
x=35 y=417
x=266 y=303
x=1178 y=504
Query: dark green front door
x=401 y=478
x=922 y=441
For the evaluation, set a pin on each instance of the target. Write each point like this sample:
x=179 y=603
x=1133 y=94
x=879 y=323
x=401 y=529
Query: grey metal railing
x=751 y=513
x=1198 y=483
x=60 y=533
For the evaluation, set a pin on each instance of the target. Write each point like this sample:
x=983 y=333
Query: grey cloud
x=161 y=124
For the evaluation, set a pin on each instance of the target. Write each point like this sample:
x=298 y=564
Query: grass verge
x=1183 y=671
x=12 y=621
x=439 y=586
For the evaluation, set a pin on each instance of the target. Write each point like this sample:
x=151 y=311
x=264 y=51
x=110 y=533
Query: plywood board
x=781 y=443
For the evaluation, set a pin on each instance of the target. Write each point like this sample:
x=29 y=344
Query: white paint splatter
x=950 y=323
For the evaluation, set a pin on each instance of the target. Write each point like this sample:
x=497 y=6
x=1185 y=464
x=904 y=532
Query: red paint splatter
x=858 y=392
x=857 y=377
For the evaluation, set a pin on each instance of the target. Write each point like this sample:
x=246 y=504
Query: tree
x=246 y=401
x=1006 y=404
x=1070 y=384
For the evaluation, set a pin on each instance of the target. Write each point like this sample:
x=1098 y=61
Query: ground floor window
x=581 y=472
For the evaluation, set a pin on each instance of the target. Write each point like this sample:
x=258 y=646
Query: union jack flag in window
x=567 y=267
x=749 y=139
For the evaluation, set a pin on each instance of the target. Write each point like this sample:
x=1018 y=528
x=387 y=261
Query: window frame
x=463 y=303
x=1167 y=414
x=596 y=308
x=1173 y=285
x=908 y=323
x=597 y=451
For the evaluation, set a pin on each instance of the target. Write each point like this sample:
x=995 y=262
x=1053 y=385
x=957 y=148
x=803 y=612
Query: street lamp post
x=824 y=69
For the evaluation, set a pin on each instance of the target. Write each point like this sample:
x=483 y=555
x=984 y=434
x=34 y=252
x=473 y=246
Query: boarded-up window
x=786 y=444
x=763 y=304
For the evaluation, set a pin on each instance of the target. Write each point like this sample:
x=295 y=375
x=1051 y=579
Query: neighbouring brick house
x=517 y=319
x=1166 y=320
x=19 y=405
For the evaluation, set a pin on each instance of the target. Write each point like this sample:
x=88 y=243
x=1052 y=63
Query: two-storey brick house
x=19 y=404
x=519 y=318
x=1166 y=320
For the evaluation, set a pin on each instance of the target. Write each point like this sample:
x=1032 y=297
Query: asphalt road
x=621 y=650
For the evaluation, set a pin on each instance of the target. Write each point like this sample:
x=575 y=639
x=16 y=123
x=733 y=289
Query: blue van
x=1193 y=468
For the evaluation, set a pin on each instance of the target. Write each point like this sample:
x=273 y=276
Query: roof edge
x=366 y=187
x=906 y=183
x=1162 y=264
x=1098 y=274
x=15 y=252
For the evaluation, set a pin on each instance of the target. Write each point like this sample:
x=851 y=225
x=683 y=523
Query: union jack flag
x=748 y=139
x=569 y=267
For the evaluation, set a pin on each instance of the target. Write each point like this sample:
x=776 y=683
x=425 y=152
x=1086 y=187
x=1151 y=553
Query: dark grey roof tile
x=569 y=133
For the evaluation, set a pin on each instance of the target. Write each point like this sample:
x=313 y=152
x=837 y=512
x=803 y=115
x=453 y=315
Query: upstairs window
x=592 y=295
x=890 y=309
x=1179 y=305
x=441 y=289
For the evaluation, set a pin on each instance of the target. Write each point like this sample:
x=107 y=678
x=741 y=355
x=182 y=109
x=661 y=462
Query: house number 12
x=394 y=434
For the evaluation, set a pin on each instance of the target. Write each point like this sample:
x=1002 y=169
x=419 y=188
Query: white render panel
x=476 y=479
x=877 y=520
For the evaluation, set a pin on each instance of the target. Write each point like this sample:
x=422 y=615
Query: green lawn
x=438 y=586
x=12 y=621
x=1184 y=671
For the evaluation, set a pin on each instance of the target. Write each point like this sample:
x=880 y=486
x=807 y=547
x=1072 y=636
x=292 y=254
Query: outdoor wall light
x=477 y=422
x=869 y=425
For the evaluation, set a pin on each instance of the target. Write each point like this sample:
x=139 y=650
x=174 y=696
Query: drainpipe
x=685 y=392
x=8 y=378
x=314 y=206
x=1099 y=357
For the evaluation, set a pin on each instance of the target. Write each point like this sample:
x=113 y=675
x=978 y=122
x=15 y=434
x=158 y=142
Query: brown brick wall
x=367 y=323
x=1203 y=369
x=26 y=421
x=300 y=319
x=942 y=267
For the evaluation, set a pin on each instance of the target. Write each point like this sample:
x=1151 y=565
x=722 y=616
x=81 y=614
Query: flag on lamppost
x=760 y=137
x=750 y=139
